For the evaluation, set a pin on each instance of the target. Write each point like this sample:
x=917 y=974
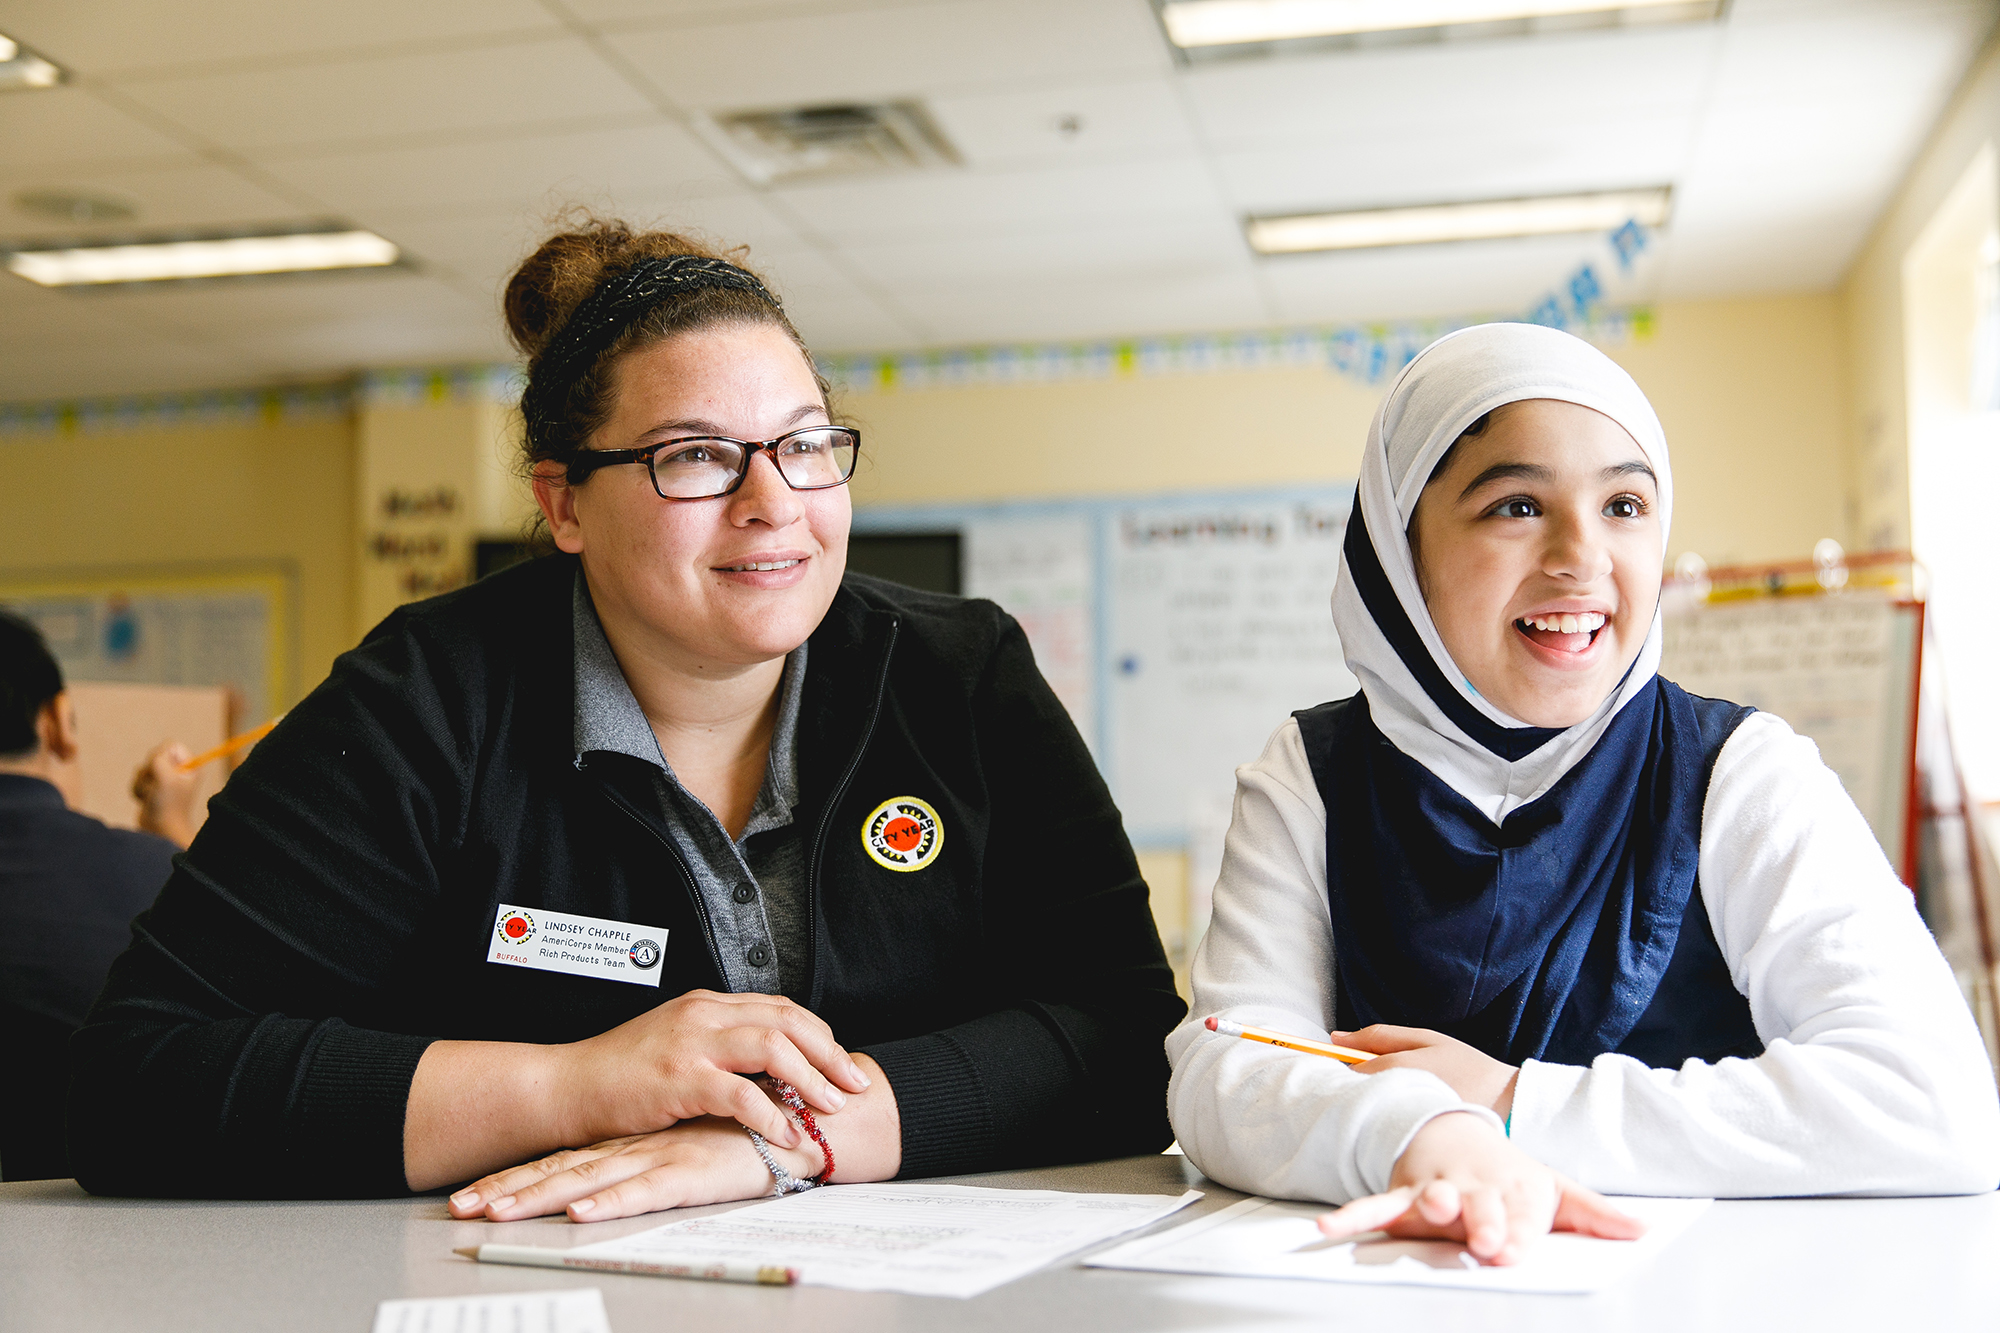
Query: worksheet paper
x=1266 y=1238
x=578 y=1310
x=925 y=1240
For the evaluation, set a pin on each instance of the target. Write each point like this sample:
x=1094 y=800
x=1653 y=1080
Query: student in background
x=1594 y=928
x=853 y=840
x=69 y=888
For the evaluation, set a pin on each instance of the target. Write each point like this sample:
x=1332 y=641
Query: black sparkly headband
x=606 y=313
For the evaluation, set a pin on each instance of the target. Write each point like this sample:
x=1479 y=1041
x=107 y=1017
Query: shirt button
x=758 y=955
x=744 y=892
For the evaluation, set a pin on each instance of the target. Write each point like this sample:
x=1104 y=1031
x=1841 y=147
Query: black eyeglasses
x=701 y=467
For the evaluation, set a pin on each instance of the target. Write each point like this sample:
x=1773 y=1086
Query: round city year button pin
x=644 y=953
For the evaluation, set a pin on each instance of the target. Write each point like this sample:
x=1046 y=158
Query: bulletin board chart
x=1178 y=630
x=1840 y=668
x=231 y=626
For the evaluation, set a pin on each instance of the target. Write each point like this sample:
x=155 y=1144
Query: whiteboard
x=1041 y=568
x=1840 y=668
x=1221 y=625
x=1179 y=631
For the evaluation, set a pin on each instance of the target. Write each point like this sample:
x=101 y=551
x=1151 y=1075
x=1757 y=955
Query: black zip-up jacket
x=333 y=916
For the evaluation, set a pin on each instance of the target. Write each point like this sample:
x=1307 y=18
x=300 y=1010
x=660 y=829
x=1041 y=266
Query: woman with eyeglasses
x=676 y=867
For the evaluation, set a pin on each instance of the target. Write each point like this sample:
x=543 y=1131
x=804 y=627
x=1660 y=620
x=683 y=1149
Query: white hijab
x=1452 y=383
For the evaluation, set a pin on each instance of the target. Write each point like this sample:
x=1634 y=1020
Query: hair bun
x=567 y=267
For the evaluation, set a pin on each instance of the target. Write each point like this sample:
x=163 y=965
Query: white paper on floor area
x=579 y=1310
x=926 y=1240
x=1268 y=1238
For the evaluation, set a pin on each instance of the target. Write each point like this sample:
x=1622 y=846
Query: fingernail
x=583 y=1205
x=836 y=1097
x=465 y=1199
x=866 y=1081
x=501 y=1205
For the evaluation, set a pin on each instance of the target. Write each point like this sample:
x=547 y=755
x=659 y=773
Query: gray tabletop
x=69 y=1262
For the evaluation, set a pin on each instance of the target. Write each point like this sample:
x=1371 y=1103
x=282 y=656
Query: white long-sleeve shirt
x=1873 y=1080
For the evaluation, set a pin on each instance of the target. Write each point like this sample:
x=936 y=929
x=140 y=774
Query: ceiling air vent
x=840 y=139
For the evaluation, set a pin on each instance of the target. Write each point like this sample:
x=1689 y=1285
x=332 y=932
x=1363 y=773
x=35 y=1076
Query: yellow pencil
x=231 y=746
x=1344 y=1054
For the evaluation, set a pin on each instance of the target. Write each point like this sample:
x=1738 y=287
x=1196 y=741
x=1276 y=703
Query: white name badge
x=583 y=946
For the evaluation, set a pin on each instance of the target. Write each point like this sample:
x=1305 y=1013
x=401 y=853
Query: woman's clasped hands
x=663 y=1099
x=1460 y=1178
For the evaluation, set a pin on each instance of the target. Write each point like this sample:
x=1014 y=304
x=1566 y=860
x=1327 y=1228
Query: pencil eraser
x=1209 y=1023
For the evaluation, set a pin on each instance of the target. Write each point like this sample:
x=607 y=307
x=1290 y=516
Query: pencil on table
x=1345 y=1054
x=708 y=1270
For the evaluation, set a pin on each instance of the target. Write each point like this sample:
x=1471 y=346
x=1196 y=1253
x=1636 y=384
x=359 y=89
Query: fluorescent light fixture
x=1491 y=220
x=217 y=257
x=24 y=69
x=1194 y=23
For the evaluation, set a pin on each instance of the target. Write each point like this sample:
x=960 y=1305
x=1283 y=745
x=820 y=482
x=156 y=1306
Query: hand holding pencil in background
x=164 y=786
x=165 y=783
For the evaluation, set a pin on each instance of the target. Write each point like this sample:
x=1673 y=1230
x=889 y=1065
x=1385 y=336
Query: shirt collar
x=26 y=791
x=607 y=717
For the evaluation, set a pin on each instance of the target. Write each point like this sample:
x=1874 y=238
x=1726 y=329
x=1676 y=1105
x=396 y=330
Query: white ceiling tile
x=830 y=309
x=1085 y=279
x=346 y=346
x=1026 y=125
x=73 y=344
x=453 y=129
x=1172 y=300
x=200 y=195
x=320 y=324
x=900 y=51
x=1037 y=260
x=1752 y=253
x=1840 y=51
x=483 y=249
x=725 y=221
x=235 y=306
x=516 y=84
x=1456 y=85
x=70 y=127
x=970 y=202
x=1479 y=161
x=525 y=170
x=653 y=12
x=1859 y=145
x=1497 y=278
x=106 y=36
x=479 y=251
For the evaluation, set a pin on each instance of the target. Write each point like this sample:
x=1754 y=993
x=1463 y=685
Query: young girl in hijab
x=1596 y=929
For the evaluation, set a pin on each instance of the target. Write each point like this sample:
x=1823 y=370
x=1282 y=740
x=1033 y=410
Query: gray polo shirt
x=754 y=887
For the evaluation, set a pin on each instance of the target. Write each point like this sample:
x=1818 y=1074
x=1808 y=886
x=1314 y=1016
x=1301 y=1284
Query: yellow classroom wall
x=1750 y=392
x=242 y=491
x=1873 y=307
x=433 y=477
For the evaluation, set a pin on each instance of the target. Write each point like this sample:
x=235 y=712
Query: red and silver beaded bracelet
x=802 y=1113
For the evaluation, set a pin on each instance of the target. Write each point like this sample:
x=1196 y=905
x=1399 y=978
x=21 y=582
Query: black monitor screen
x=927 y=560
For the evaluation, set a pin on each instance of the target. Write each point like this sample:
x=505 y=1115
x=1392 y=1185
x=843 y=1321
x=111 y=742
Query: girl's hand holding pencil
x=1345 y=1054
x=1474 y=1075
